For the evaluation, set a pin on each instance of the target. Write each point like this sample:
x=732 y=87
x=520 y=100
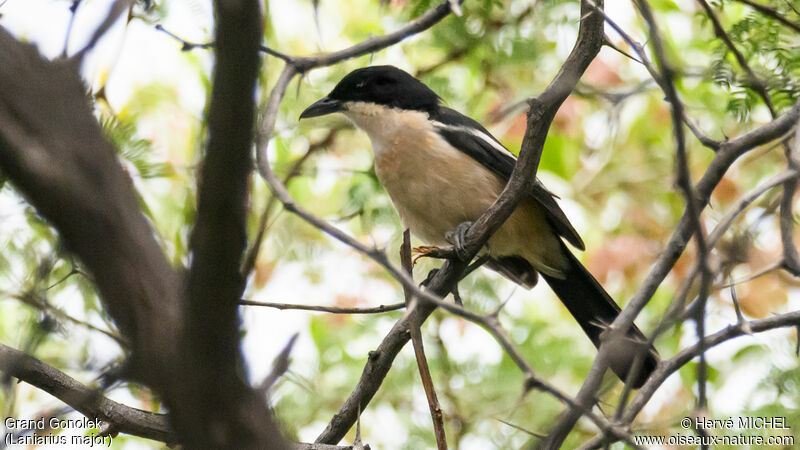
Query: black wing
x=473 y=139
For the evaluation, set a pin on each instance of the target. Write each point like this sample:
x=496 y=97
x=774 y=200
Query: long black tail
x=594 y=309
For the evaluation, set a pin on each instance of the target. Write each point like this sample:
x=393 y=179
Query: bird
x=442 y=170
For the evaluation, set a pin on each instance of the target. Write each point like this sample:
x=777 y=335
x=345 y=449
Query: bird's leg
x=429 y=278
x=471 y=268
x=424 y=251
x=458 y=238
x=457 y=295
x=454 y=291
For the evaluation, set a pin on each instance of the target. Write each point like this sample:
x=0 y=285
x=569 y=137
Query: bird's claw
x=423 y=251
x=458 y=238
x=429 y=278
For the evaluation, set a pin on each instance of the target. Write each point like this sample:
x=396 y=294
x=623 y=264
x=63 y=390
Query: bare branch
x=726 y=221
x=422 y=23
x=419 y=351
x=92 y=404
x=56 y=155
x=303 y=64
x=84 y=399
x=791 y=260
x=730 y=332
x=233 y=410
x=685 y=184
x=670 y=366
x=327 y=309
x=654 y=73
x=491 y=324
x=52 y=148
x=114 y=13
x=279 y=366
x=727 y=153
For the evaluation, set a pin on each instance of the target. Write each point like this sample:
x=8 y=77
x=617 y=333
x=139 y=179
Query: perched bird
x=442 y=170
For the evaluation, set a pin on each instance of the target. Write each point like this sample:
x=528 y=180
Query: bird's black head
x=383 y=85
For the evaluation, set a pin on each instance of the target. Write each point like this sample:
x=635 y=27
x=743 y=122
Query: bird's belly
x=436 y=190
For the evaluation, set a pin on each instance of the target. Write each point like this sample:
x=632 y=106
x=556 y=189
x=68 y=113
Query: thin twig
x=327 y=309
x=114 y=13
x=654 y=73
x=42 y=305
x=279 y=366
x=791 y=260
x=189 y=45
x=685 y=184
x=419 y=351
x=740 y=320
x=727 y=152
x=536 y=435
x=758 y=274
x=73 y=9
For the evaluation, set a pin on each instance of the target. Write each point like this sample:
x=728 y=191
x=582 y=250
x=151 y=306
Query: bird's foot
x=429 y=278
x=423 y=251
x=458 y=238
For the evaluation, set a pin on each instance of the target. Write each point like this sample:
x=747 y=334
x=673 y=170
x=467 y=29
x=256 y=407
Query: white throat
x=386 y=126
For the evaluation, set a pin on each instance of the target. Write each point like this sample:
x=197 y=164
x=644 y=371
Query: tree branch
x=93 y=405
x=654 y=73
x=56 y=155
x=233 y=410
x=52 y=148
x=327 y=309
x=419 y=351
x=685 y=184
x=672 y=365
x=89 y=402
x=727 y=153
x=791 y=260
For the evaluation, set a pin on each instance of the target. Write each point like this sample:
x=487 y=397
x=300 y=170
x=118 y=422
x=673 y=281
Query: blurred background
x=609 y=156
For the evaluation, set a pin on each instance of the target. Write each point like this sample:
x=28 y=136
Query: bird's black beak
x=326 y=105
